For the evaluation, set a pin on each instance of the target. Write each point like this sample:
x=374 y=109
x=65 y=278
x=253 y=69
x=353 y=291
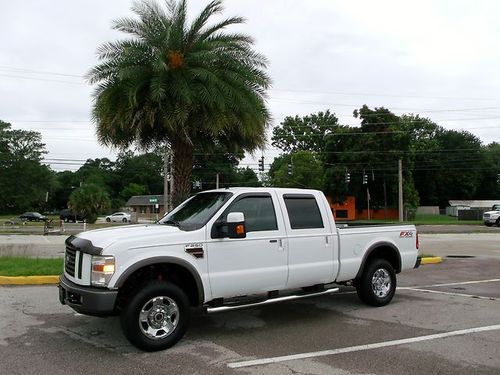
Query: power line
x=32 y=71
x=41 y=79
x=382 y=94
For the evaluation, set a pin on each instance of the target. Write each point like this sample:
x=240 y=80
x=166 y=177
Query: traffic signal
x=261 y=164
x=290 y=169
x=347 y=177
x=365 y=179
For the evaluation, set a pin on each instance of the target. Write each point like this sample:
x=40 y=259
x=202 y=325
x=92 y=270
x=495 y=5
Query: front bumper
x=489 y=220
x=417 y=263
x=85 y=299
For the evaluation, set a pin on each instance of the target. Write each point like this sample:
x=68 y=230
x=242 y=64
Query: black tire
x=124 y=220
x=108 y=219
x=489 y=224
x=498 y=222
x=371 y=287
x=133 y=328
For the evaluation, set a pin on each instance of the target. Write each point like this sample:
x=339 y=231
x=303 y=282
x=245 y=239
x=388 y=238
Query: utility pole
x=368 y=200
x=217 y=181
x=171 y=170
x=166 y=198
x=168 y=181
x=365 y=182
x=400 y=190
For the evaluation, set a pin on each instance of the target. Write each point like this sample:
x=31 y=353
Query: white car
x=493 y=216
x=118 y=217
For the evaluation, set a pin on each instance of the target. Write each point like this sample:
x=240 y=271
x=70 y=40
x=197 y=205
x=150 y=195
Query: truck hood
x=492 y=212
x=127 y=233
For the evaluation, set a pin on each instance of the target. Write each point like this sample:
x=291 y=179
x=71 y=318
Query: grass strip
x=23 y=266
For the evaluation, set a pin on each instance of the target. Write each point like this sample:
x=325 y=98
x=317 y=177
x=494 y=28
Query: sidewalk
x=32 y=246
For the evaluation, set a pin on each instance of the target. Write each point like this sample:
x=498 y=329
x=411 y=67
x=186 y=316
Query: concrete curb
x=431 y=260
x=29 y=280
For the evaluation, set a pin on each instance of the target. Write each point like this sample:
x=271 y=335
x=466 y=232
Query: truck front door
x=251 y=265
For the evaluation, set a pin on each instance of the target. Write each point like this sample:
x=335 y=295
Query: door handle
x=273 y=241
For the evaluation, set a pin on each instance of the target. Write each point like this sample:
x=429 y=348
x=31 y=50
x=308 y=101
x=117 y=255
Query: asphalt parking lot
x=445 y=319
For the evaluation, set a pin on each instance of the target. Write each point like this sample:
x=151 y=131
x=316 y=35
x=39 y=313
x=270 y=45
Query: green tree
x=24 y=181
x=131 y=190
x=306 y=171
x=65 y=183
x=246 y=177
x=489 y=186
x=458 y=173
x=177 y=84
x=222 y=160
x=307 y=133
x=90 y=200
x=143 y=169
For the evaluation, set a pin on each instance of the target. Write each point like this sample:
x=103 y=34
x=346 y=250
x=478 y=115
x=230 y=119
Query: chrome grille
x=69 y=261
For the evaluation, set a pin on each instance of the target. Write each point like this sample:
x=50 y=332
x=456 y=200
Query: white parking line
x=451 y=284
x=452 y=294
x=350 y=349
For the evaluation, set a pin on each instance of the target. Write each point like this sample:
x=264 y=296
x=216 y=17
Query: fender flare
x=164 y=259
x=373 y=248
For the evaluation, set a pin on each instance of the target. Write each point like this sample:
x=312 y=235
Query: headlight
x=103 y=268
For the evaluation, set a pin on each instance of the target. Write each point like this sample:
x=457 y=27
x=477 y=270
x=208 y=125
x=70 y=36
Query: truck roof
x=240 y=189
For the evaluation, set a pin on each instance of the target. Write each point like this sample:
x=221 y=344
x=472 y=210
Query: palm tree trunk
x=182 y=167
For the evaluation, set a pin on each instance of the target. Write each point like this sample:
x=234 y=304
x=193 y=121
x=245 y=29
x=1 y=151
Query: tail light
x=417 y=242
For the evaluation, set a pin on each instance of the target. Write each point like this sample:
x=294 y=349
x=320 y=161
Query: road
x=38 y=335
x=465 y=244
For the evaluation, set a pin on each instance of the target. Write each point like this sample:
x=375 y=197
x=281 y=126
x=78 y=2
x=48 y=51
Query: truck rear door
x=312 y=242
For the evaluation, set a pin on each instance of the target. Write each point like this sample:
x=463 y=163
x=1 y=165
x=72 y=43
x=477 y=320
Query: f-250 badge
x=195 y=249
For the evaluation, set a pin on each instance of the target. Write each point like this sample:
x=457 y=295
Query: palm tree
x=180 y=86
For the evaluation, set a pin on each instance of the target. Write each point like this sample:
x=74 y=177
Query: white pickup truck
x=225 y=249
x=492 y=217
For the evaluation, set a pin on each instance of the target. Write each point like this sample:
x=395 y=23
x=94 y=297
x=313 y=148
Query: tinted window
x=259 y=213
x=303 y=212
x=196 y=211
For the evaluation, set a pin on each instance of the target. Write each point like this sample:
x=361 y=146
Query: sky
x=435 y=58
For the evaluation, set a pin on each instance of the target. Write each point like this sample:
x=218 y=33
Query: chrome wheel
x=381 y=283
x=159 y=317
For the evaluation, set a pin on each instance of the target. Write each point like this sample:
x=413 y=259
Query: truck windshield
x=194 y=213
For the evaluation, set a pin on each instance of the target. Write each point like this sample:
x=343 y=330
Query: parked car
x=68 y=215
x=118 y=217
x=225 y=249
x=33 y=216
x=492 y=217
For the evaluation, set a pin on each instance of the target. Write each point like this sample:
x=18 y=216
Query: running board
x=211 y=310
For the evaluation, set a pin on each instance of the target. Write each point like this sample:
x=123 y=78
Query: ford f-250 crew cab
x=225 y=249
